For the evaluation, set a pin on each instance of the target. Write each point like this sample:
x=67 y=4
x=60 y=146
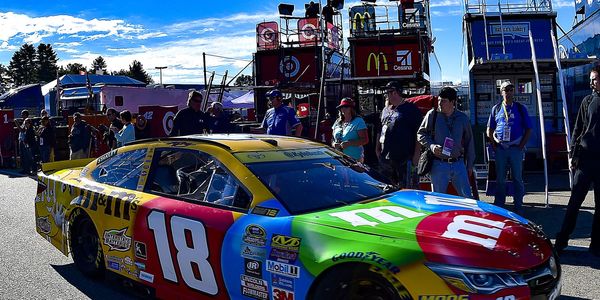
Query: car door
x=179 y=235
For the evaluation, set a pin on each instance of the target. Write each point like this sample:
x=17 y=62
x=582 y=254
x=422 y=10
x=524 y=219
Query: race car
x=283 y=218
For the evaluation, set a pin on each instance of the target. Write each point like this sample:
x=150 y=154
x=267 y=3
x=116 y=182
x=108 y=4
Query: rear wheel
x=357 y=282
x=86 y=248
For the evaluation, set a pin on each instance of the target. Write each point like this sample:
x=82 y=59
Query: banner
x=308 y=31
x=292 y=65
x=267 y=35
x=516 y=39
x=159 y=119
x=7 y=133
x=362 y=19
x=393 y=57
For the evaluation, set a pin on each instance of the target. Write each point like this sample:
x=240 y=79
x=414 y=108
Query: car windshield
x=316 y=184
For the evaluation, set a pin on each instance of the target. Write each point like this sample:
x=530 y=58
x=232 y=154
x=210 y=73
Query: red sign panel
x=308 y=31
x=386 y=58
x=267 y=35
x=295 y=65
x=159 y=119
x=7 y=133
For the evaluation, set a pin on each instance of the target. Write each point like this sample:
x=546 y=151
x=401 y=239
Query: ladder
x=209 y=90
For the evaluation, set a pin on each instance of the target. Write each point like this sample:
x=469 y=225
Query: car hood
x=447 y=229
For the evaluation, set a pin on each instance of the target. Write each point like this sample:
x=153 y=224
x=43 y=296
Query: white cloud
x=36 y=28
x=443 y=3
x=230 y=21
x=151 y=35
x=437 y=13
x=562 y=3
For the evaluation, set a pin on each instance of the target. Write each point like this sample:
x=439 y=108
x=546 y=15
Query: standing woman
x=350 y=131
x=127 y=133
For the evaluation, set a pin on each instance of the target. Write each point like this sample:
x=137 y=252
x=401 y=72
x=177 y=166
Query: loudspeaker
x=285 y=9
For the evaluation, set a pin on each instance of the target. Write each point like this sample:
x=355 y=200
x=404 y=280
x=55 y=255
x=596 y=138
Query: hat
x=216 y=105
x=393 y=85
x=506 y=84
x=346 y=102
x=273 y=94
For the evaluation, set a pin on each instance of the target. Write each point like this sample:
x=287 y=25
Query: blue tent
x=24 y=97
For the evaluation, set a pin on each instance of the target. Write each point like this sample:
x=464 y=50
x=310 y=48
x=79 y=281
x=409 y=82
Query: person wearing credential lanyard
x=452 y=145
x=509 y=128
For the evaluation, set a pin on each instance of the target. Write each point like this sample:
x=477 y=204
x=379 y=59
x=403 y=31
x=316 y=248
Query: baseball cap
x=393 y=85
x=506 y=84
x=346 y=102
x=273 y=94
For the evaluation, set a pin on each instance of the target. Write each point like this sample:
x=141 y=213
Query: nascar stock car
x=267 y=217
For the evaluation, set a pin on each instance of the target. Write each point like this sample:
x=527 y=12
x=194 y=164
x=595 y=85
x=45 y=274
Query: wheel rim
x=86 y=242
x=364 y=289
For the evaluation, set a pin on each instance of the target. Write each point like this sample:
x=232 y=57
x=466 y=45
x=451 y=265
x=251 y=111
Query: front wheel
x=357 y=282
x=86 y=248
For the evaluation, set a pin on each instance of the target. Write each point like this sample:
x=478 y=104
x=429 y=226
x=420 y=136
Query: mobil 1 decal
x=471 y=237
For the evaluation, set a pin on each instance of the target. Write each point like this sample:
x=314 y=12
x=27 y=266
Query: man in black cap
x=190 y=120
x=397 y=142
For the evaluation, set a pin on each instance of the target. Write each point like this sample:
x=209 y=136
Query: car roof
x=242 y=142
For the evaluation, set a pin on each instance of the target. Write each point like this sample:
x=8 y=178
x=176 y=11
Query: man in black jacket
x=190 y=120
x=585 y=163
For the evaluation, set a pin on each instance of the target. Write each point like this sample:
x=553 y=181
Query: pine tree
x=46 y=63
x=98 y=64
x=244 y=80
x=74 y=68
x=23 y=66
x=136 y=71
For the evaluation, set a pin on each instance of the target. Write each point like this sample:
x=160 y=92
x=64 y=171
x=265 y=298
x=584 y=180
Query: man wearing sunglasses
x=191 y=120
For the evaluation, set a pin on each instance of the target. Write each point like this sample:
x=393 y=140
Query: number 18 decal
x=186 y=256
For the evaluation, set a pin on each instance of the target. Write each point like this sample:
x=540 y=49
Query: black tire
x=356 y=282
x=86 y=248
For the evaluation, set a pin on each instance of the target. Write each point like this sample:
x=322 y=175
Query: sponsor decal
x=377 y=58
x=283 y=269
x=140 y=250
x=256 y=156
x=253 y=252
x=404 y=60
x=475 y=230
x=106 y=156
x=282 y=282
x=284 y=242
x=281 y=294
x=255 y=235
x=289 y=66
x=254 y=287
x=264 y=211
x=117 y=204
x=145 y=276
x=381 y=214
x=117 y=240
x=283 y=255
x=43 y=224
x=168 y=121
x=458 y=202
x=141 y=266
x=114 y=265
x=511 y=29
x=373 y=257
x=128 y=261
x=303 y=154
x=446 y=297
x=253 y=267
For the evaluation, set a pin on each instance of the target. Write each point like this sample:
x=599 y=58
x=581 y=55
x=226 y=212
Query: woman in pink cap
x=350 y=131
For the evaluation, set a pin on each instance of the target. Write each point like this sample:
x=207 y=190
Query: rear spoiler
x=65 y=164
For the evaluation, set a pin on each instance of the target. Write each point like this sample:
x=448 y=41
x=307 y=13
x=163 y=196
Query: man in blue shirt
x=509 y=128
x=280 y=119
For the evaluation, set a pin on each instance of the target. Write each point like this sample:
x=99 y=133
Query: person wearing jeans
x=449 y=136
x=509 y=129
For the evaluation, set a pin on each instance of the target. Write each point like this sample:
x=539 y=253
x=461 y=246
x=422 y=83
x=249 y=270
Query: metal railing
x=508 y=6
x=373 y=19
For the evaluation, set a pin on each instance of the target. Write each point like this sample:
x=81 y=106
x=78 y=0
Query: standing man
x=190 y=120
x=218 y=119
x=452 y=145
x=397 y=142
x=585 y=163
x=509 y=128
x=115 y=126
x=127 y=134
x=47 y=140
x=280 y=119
x=80 y=138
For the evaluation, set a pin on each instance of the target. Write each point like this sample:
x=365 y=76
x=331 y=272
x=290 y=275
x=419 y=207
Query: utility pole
x=160 y=71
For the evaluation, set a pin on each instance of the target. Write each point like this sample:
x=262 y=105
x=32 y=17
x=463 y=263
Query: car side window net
x=196 y=176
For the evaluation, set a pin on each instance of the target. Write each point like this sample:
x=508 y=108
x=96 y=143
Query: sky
x=176 y=33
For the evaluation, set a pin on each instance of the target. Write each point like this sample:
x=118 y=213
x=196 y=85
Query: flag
x=58 y=90
x=88 y=84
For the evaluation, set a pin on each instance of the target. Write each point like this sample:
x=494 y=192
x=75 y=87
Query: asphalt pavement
x=31 y=268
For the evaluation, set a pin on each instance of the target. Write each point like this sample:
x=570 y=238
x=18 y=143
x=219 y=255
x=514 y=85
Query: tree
x=98 y=64
x=47 y=59
x=23 y=66
x=4 y=79
x=244 y=80
x=73 y=68
x=136 y=71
